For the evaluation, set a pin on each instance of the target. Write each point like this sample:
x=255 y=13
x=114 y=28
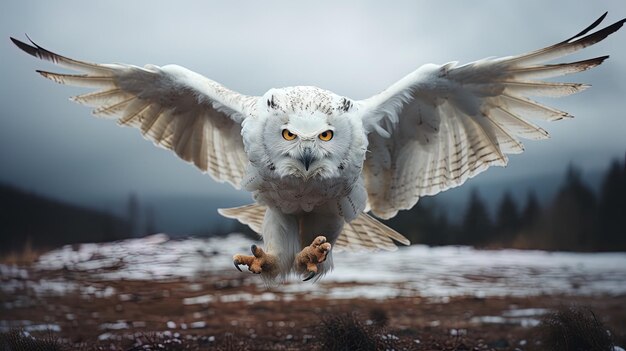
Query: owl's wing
x=197 y=118
x=441 y=125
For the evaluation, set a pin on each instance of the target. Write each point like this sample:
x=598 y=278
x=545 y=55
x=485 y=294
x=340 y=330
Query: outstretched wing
x=197 y=118
x=441 y=125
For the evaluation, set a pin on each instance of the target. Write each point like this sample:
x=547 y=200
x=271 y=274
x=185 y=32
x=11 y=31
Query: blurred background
x=68 y=177
x=110 y=242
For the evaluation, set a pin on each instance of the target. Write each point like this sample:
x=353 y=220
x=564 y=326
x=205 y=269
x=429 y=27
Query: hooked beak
x=307 y=157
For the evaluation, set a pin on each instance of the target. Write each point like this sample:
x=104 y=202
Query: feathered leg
x=311 y=256
x=282 y=243
x=321 y=229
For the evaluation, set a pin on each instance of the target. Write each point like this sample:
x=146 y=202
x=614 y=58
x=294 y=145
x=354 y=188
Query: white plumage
x=316 y=162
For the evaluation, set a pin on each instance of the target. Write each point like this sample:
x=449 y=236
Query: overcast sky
x=53 y=146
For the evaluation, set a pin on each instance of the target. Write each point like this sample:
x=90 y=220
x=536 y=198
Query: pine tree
x=444 y=228
x=150 y=227
x=572 y=217
x=133 y=215
x=612 y=209
x=421 y=224
x=529 y=232
x=477 y=227
x=531 y=213
x=507 y=219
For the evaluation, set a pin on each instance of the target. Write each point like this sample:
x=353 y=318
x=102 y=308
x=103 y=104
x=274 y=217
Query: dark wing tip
x=596 y=61
x=603 y=33
x=590 y=39
x=31 y=50
x=588 y=29
x=37 y=51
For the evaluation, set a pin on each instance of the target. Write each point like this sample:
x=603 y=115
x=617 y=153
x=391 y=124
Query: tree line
x=575 y=219
x=41 y=222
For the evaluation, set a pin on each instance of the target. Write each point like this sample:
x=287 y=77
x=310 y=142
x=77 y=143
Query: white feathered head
x=305 y=132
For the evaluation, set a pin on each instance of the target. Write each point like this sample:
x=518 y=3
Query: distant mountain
x=27 y=217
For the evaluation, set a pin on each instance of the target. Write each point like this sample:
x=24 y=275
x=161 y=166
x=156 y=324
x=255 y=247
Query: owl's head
x=306 y=132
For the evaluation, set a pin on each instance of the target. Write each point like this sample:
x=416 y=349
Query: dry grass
x=346 y=332
x=27 y=256
x=402 y=323
x=18 y=340
x=574 y=329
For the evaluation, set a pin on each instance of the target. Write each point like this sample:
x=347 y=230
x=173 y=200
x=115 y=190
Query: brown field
x=160 y=294
x=243 y=315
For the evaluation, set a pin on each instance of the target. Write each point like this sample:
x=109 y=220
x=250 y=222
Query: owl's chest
x=293 y=194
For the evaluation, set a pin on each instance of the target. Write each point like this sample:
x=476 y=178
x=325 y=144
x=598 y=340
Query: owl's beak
x=307 y=157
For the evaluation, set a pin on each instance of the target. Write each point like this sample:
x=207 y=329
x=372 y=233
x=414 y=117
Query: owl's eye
x=326 y=136
x=287 y=135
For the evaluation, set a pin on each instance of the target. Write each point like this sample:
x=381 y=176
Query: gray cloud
x=356 y=49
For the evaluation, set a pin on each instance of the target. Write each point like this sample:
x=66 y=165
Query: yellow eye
x=288 y=135
x=326 y=136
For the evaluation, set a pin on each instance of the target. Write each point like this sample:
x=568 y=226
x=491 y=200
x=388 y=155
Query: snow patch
x=432 y=272
x=114 y=326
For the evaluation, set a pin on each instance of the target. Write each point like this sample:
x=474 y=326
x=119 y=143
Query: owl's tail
x=363 y=233
x=251 y=215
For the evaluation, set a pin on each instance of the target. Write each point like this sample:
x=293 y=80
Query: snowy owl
x=317 y=163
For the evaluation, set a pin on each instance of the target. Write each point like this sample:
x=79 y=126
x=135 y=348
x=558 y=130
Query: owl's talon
x=259 y=262
x=311 y=256
x=309 y=277
x=236 y=263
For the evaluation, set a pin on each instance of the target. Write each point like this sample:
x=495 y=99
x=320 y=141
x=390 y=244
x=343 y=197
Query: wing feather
x=101 y=98
x=82 y=80
x=441 y=125
x=197 y=118
x=65 y=62
x=115 y=108
x=568 y=46
x=517 y=125
x=530 y=108
x=551 y=71
x=549 y=89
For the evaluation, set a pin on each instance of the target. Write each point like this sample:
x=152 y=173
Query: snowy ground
x=439 y=272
